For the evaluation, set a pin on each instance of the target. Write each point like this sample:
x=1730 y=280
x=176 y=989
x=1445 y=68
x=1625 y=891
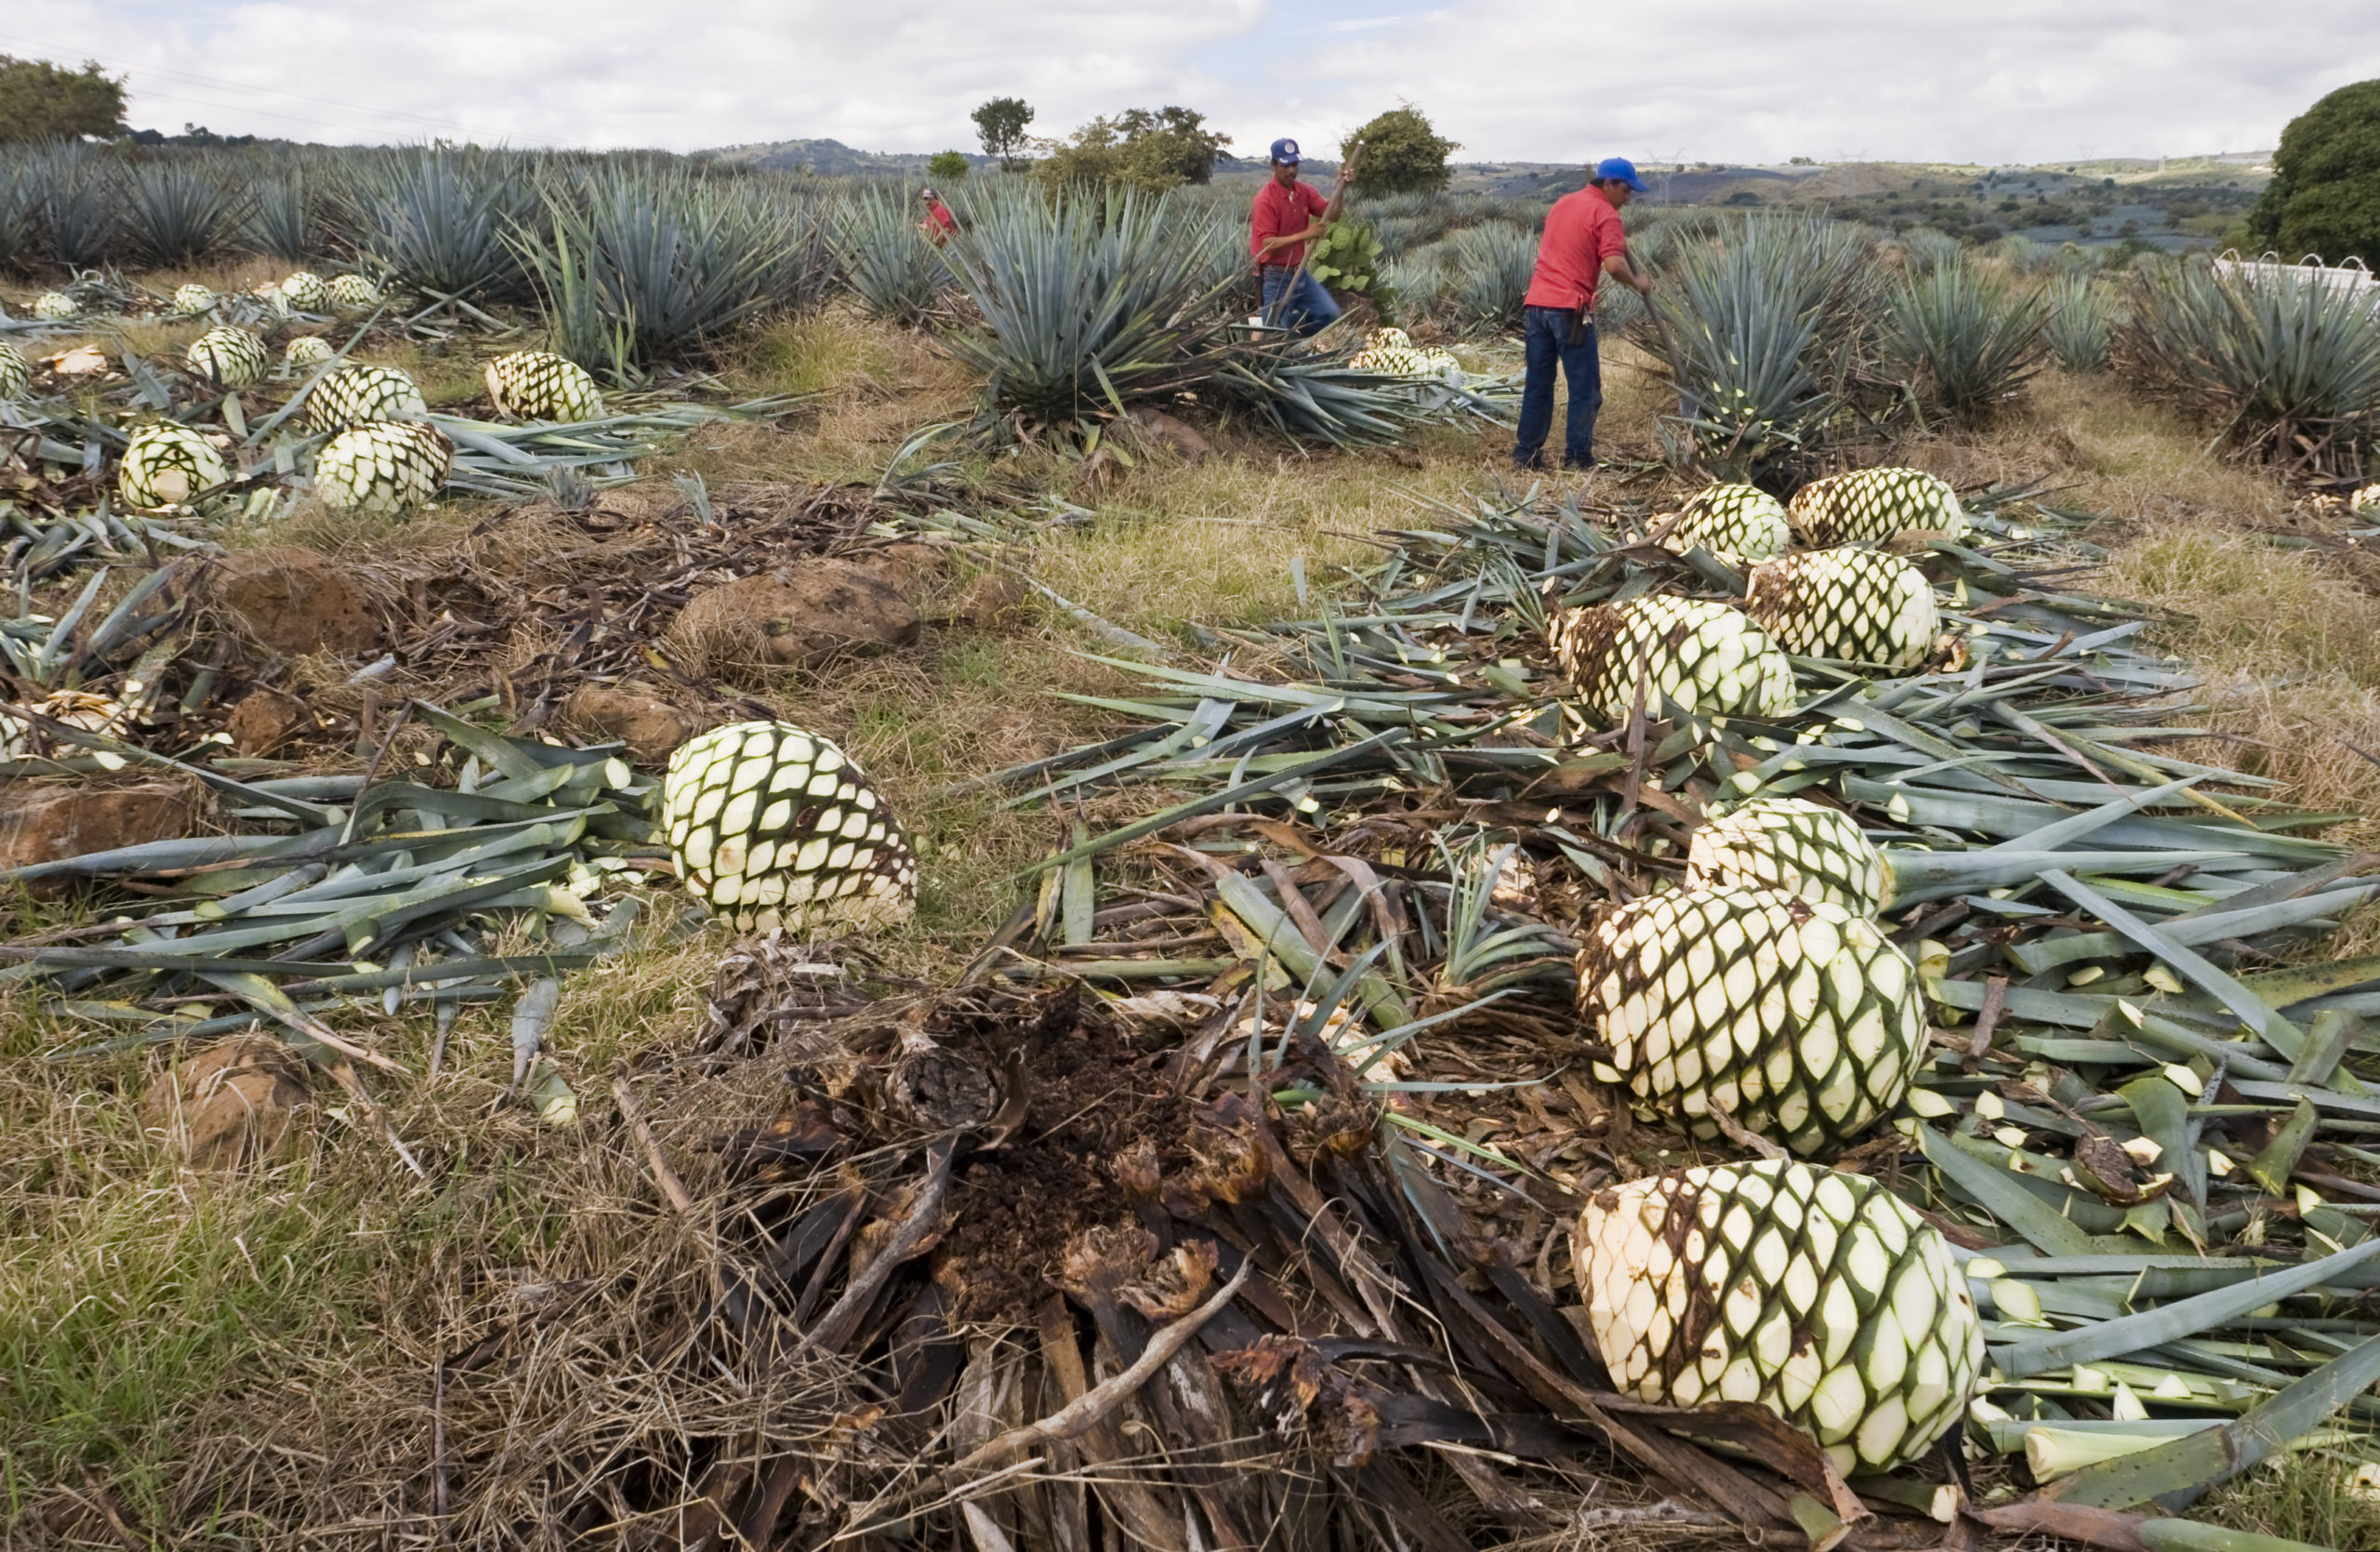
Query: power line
x=245 y=89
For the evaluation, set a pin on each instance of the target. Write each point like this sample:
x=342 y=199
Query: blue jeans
x=1304 y=306
x=1545 y=337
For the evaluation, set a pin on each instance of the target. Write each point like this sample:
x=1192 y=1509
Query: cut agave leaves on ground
x=384 y=895
x=1398 y=803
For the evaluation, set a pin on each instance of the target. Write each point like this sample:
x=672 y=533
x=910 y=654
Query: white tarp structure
x=2351 y=277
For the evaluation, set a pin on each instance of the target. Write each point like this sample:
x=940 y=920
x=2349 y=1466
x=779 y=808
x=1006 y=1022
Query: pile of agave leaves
x=1390 y=823
x=1345 y=910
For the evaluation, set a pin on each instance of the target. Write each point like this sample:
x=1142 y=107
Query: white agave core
x=1705 y=656
x=1817 y=1294
x=1857 y=604
x=1794 y=845
x=776 y=827
x=1736 y=522
x=1799 y=1018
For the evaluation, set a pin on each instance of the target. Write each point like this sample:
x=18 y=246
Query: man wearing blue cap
x=1289 y=215
x=1582 y=244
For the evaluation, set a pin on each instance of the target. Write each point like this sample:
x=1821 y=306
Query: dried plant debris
x=2143 y=1097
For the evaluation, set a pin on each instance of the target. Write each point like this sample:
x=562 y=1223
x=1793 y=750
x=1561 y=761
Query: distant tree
x=999 y=124
x=2325 y=197
x=1402 y=154
x=1172 y=136
x=946 y=166
x=1102 y=155
x=39 y=102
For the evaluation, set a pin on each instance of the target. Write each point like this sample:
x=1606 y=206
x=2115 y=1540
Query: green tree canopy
x=1402 y=154
x=1136 y=149
x=999 y=124
x=946 y=166
x=1176 y=136
x=39 y=102
x=2324 y=198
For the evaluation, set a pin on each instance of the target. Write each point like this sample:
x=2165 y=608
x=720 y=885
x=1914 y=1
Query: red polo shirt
x=940 y=223
x=1280 y=210
x=1581 y=231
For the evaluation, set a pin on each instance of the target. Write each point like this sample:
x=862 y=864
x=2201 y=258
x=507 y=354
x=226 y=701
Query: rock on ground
x=1173 y=434
x=236 y=1101
x=45 y=823
x=794 y=616
x=294 y=602
x=264 y=720
x=650 y=726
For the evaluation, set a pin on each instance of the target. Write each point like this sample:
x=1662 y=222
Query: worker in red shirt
x=1287 y=215
x=1582 y=244
x=939 y=222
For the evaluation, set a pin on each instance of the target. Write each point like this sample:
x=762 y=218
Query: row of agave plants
x=1785 y=336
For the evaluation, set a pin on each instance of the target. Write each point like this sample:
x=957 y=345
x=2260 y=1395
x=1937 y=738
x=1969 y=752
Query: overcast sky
x=1511 y=80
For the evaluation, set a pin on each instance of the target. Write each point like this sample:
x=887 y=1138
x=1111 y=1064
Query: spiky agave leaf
x=227 y=357
x=1692 y=653
x=1087 y=300
x=285 y=220
x=1868 y=506
x=2288 y=365
x=774 y=826
x=1860 y=606
x=1964 y=337
x=166 y=465
x=1797 y=1017
x=1794 y=846
x=177 y=210
x=896 y=272
x=19 y=212
x=2075 y=324
x=1817 y=1294
x=382 y=467
x=78 y=207
x=1490 y=272
x=438 y=219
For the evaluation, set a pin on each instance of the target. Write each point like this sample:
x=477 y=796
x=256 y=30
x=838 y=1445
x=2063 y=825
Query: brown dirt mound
x=794 y=616
x=295 y=601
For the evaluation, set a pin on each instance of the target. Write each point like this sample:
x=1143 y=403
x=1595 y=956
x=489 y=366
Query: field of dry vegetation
x=283 y=1355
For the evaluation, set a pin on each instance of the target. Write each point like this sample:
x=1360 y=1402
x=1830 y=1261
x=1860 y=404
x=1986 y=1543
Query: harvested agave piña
x=775 y=826
x=1869 y=506
x=227 y=357
x=382 y=466
x=307 y=349
x=1862 y=605
x=193 y=299
x=1705 y=657
x=166 y=465
x=354 y=394
x=1792 y=845
x=1817 y=1294
x=304 y=292
x=15 y=373
x=1736 y=522
x=539 y=385
x=1797 y=1017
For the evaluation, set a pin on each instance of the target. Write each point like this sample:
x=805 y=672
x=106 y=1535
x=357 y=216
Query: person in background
x=1286 y=216
x=1582 y=244
x=939 y=222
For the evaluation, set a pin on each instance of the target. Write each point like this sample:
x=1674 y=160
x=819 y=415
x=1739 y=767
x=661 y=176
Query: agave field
x=1730 y=1001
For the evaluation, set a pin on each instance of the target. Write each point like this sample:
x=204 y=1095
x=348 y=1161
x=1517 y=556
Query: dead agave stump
x=1025 y=1277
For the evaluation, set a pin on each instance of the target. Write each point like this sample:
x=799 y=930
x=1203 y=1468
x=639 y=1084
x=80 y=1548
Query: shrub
x=946 y=166
x=1402 y=154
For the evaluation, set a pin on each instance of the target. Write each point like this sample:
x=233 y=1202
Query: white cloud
x=2025 y=80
